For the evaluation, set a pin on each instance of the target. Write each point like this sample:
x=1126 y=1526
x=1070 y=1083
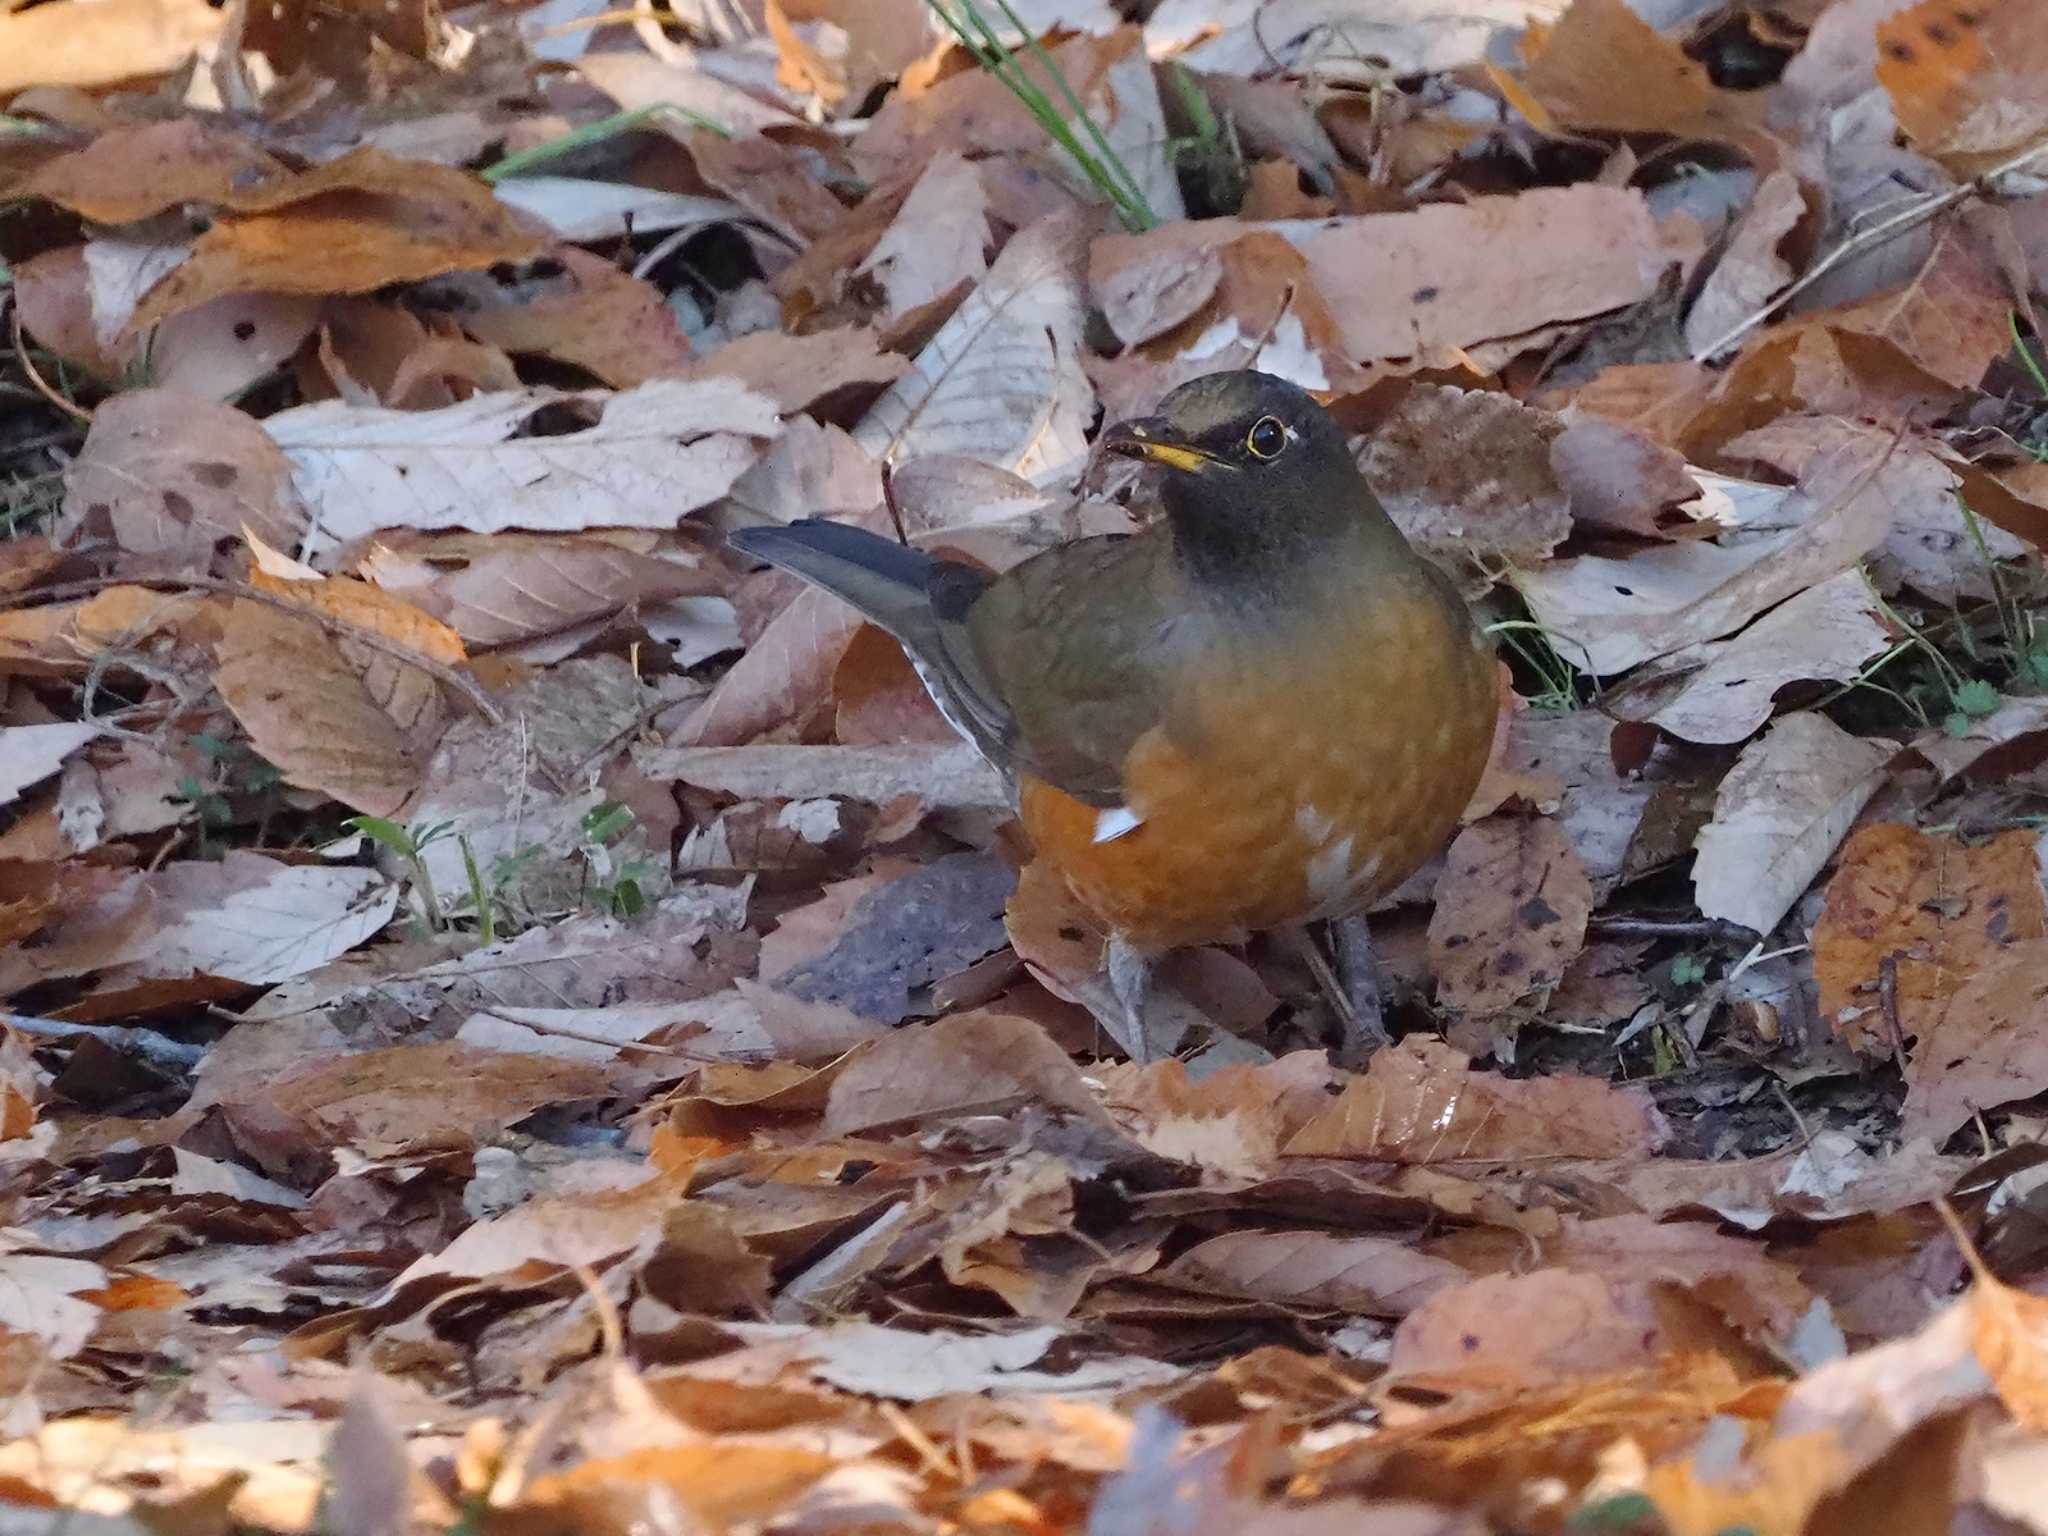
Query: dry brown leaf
x=500 y=589
x=128 y=174
x=1511 y=912
x=1420 y=1102
x=878 y=698
x=1761 y=1295
x=973 y=112
x=1950 y=320
x=1421 y=285
x=1232 y=1121
x=1506 y=1333
x=1940 y=910
x=170 y=477
x=613 y=325
x=352 y=225
x=1987 y=1047
x=972 y=1062
x=1779 y=815
x=799 y=372
x=1966 y=80
x=334 y=714
x=1619 y=479
x=776 y=182
x=800 y=67
x=433 y=1095
x=1603 y=66
x=1369 y=1276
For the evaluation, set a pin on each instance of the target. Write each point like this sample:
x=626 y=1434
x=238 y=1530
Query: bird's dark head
x=1254 y=471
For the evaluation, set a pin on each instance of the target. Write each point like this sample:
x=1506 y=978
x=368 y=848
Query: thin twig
x=160 y=1050
x=1888 y=1004
x=1874 y=236
x=1666 y=928
x=28 y=367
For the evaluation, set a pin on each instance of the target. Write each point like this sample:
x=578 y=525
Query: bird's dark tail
x=889 y=583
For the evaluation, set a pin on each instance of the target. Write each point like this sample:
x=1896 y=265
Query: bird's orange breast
x=1298 y=785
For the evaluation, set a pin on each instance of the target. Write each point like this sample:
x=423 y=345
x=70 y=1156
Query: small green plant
x=410 y=844
x=617 y=890
x=2036 y=442
x=232 y=769
x=1688 y=970
x=1554 y=680
x=1210 y=154
x=596 y=133
x=1065 y=121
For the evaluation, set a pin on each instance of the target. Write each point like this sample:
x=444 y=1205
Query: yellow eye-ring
x=1266 y=438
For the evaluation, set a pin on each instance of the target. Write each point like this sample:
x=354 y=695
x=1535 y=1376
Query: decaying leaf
x=1510 y=912
x=1936 y=912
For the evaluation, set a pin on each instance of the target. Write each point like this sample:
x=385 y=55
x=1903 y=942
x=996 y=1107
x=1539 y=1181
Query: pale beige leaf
x=583 y=210
x=256 y=920
x=938 y=240
x=1002 y=380
x=925 y=1364
x=31 y=753
x=649 y=455
x=1607 y=615
x=1781 y=811
x=636 y=79
x=950 y=774
x=1750 y=270
x=1722 y=691
x=1404 y=37
x=1931 y=546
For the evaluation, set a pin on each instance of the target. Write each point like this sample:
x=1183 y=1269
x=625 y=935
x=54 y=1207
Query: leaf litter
x=516 y=1018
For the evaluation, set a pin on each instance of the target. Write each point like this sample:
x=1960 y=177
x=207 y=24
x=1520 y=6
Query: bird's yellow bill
x=1173 y=456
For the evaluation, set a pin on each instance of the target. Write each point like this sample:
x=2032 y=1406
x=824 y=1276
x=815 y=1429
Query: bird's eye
x=1266 y=438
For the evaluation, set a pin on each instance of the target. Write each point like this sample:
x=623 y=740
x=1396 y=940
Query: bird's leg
x=1352 y=987
x=1130 y=978
x=1358 y=976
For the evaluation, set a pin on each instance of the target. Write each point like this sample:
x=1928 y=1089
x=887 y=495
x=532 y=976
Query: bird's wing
x=1079 y=644
x=1003 y=657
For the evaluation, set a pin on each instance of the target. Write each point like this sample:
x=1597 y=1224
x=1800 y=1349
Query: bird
x=1262 y=708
